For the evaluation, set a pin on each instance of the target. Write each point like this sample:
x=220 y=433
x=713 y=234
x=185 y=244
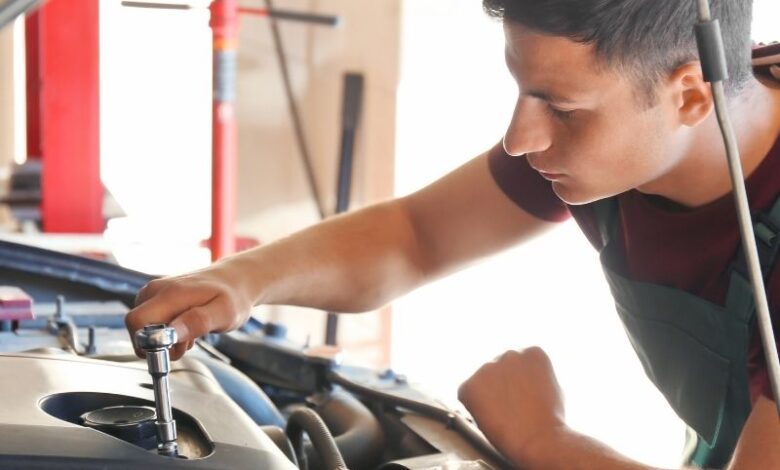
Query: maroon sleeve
x=765 y=56
x=525 y=187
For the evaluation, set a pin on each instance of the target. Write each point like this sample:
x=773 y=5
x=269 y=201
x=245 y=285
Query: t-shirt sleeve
x=766 y=60
x=525 y=187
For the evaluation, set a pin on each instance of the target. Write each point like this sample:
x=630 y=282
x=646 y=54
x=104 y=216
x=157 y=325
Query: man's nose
x=529 y=131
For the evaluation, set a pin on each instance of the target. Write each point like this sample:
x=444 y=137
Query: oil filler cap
x=129 y=423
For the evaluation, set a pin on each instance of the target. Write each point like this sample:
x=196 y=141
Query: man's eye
x=562 y=114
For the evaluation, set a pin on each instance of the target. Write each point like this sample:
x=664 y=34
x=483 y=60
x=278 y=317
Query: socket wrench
x=156 y=340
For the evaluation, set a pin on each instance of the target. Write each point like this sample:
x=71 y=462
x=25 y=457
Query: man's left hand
x=516 y=401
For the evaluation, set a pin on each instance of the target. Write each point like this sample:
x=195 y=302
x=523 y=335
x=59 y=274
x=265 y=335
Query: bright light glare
x=765 y=15
x=156 y=133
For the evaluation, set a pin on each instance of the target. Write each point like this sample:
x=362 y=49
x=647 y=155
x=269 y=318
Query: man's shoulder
x=766 y=60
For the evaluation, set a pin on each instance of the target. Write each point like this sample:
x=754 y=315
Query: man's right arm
x=350 y=263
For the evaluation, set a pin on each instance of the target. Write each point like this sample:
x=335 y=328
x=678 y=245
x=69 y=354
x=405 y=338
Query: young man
x=614 y=126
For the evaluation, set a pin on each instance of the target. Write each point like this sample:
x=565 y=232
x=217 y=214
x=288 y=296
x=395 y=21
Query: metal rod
x=746 y=225
x=749 y=241
x=157 y=6
x=12 y=9
x=314 y=18
x=351 y=109
x=162 y=398
x=300 y=136
x=704 y=10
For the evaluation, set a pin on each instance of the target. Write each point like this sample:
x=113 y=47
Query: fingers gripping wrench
x=155 y=340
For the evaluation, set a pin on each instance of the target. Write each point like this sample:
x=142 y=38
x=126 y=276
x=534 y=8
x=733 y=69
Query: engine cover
x=44 y=399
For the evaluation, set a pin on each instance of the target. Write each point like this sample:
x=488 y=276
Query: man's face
x=583 y=126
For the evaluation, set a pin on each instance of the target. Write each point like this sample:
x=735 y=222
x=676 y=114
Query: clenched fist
x=213 y=299
x=515 y=400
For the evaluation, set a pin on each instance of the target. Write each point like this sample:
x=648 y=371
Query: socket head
x=155 y=337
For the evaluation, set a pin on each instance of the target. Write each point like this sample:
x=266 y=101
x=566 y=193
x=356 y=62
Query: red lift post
x=224 y=24
x=66 y=134
x=33 y=86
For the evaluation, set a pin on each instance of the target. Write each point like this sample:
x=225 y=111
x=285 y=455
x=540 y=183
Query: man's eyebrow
x=536 y=93
x=549 y=97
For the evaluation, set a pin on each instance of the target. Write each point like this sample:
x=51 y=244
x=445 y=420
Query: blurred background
x=435 y=93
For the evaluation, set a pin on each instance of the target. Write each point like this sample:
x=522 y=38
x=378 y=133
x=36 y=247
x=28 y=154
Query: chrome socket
x=156 y=340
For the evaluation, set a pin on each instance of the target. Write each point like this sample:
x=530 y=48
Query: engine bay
x=76 y=396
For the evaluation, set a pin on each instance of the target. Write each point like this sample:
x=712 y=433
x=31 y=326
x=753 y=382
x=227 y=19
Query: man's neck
x=702 y=174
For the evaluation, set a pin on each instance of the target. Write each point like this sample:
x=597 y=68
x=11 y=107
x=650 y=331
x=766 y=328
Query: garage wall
x=155 y=133
x=6 y=97
x=274 y=199
x=12 y=103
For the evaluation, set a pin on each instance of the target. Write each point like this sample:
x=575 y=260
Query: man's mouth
x=551 y=176
x=548 y=174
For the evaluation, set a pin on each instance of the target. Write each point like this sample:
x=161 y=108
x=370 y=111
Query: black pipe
x=357 y=432
x=312 y=18
x=297 y=121
x=351 y=108
x=305 y=420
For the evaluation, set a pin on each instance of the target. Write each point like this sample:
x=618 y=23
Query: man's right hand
x=209 y=300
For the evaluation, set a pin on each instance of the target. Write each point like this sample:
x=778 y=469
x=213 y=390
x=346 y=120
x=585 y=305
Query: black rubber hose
x=355 y=429
x=305 y=420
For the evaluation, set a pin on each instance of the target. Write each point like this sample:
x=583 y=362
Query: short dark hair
x=647 y=39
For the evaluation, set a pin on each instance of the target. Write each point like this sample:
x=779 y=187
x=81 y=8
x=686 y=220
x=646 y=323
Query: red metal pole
x=68 y=46
x=33 y=86
x=224 y=24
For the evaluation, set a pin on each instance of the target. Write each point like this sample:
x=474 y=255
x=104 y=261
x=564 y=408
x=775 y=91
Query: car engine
x=75 y=396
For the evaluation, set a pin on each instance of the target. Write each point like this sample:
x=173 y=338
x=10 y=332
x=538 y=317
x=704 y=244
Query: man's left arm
x=759 y=444
x=516 y=402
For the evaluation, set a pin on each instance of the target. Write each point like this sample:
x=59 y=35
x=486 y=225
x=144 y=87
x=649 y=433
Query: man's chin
x=574 y=197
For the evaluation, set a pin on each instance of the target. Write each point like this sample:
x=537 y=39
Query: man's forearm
x=351 y=263
x=565 y=449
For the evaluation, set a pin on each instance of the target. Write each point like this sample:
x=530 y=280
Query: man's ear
x=690 y=94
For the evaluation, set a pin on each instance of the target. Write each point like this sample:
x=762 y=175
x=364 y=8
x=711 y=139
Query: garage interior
x=161 y=136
